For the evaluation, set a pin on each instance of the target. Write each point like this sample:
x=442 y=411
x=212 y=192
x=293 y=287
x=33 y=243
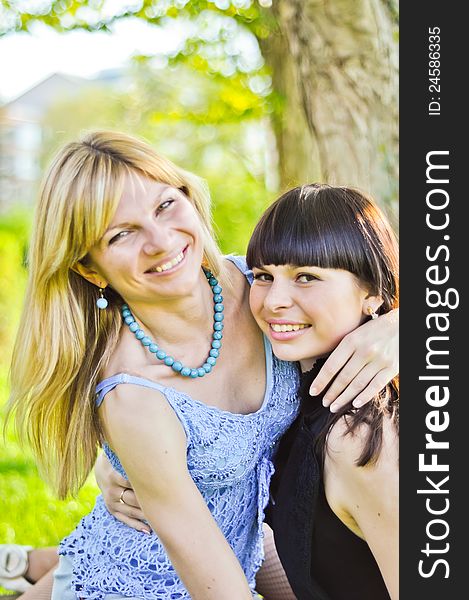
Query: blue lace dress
x=229 y=457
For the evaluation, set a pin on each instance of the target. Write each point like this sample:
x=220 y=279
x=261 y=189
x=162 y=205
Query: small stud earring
x=372 y=313
x=101 y=302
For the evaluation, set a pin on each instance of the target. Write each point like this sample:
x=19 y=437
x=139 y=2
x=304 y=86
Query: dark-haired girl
x=324 y=261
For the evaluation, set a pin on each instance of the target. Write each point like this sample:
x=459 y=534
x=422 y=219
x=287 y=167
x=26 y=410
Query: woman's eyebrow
x=124 y=224
x=118 y=226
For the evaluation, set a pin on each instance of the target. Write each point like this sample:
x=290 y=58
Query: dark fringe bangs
x=305 y=228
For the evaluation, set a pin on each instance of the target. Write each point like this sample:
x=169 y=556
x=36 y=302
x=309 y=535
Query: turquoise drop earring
x=101 y=302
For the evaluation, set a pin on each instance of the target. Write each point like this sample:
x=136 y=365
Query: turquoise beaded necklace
x=169 y=361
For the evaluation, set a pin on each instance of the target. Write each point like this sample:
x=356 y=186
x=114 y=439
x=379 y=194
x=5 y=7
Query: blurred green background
x=247 y=101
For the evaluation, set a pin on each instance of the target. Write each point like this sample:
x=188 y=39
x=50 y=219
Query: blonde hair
x=63 y=343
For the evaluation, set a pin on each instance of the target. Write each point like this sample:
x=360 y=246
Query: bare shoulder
x=344 y=447
x=351 y=489
x=140 y=412
x=360 y=496
x=349 y=485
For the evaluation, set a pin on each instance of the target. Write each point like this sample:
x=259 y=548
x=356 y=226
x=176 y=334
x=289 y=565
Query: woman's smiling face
x=153 y=245
x=306 y=311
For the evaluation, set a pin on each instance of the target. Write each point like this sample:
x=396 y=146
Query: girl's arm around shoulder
x=150 y=441
x=366 y=498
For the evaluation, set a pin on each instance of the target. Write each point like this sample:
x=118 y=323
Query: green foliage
x=66 y=15
x=212 y=43
x=14 y=231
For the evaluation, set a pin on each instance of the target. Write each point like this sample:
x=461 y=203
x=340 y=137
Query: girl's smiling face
x=306 y=311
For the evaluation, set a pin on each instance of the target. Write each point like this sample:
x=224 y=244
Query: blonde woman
x=136 y=335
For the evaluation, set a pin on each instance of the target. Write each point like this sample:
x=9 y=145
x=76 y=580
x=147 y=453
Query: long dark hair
x=337 y=228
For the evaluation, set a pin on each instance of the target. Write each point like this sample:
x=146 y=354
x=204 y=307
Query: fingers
x=132 y=522
x=357 y=385
x=374 y=387
x=330 y=368
x=361 y=365
x=122 y=502
x=129 y=498
x=351 y=380
x=353 y=384
x=129 y=511
x=119 y=497
x=360 y=378
x=129 y=514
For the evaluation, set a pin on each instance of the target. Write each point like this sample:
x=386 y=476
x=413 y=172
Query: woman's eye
x=118 y=236
x=306 y=278
x=165 y=204
x=263 y=277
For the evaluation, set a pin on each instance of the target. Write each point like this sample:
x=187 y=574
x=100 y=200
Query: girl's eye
x=263 y=277
x=306 y=278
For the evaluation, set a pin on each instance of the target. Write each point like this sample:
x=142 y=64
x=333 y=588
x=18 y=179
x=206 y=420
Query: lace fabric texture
x=229 y=457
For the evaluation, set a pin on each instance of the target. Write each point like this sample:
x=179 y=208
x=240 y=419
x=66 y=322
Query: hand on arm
x=148 y=438
x=112 y=485
x=364 y=362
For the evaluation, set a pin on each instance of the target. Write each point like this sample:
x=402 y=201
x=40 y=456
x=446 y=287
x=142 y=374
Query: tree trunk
x=335 y=65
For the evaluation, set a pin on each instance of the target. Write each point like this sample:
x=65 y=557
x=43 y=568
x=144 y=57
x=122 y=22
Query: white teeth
x=169 y=264
x=284 y=328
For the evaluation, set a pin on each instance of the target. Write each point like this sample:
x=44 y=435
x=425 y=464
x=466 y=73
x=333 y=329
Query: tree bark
x=335 y=64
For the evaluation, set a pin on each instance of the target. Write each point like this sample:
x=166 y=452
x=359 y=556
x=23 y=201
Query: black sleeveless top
x=322 y=558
